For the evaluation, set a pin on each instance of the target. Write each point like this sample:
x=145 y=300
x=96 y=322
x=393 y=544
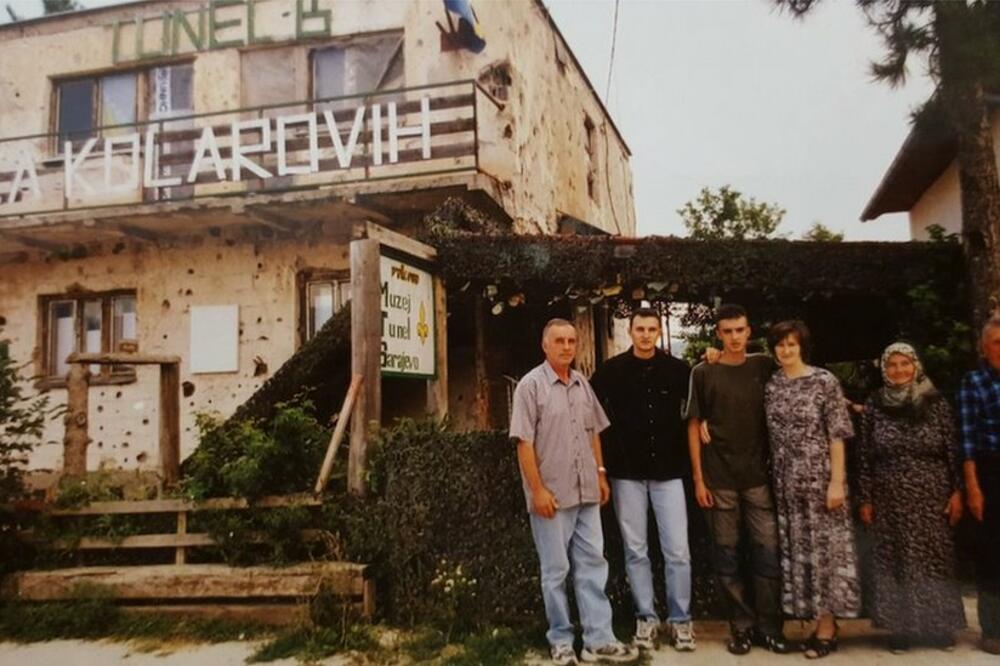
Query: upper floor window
x=287 y=74
x=85 y=104
x=89 y=323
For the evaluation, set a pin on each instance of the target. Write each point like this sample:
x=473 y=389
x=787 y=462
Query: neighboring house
x=169 y=183
x=923 y=179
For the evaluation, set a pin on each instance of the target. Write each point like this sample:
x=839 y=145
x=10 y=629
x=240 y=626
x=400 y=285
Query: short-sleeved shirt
x=979 y=410
x=560 y=419
x=731 y=399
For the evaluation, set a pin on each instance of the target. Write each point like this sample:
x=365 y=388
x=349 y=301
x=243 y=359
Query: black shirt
x=731 y=399
x=644 y=399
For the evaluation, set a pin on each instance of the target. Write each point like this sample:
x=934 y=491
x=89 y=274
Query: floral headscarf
x=912 y=395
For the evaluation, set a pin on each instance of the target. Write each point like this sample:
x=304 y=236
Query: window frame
x=303 y=280
x=109 y=374
x=142 y=91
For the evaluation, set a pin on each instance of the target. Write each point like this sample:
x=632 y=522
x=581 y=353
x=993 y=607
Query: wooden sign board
x=408 y=323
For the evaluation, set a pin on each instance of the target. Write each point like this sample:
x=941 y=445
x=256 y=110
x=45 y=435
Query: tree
x=48 y=7
x=961 y=41
x=821 y=233
x=21 y=424
x=727 y=214
x=59 y=6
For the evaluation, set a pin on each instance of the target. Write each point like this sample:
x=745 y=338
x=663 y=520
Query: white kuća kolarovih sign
x=408 y=332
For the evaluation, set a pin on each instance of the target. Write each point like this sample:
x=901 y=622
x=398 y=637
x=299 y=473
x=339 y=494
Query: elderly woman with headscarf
x=909 y=488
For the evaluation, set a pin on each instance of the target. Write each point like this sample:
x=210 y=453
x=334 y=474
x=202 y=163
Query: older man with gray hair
x=979 y=408
x=556 y=420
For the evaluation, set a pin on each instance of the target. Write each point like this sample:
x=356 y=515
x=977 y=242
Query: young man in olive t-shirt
x=727 y=438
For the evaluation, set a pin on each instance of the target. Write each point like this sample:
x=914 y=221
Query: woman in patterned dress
x=807 y=423
x=909 y=490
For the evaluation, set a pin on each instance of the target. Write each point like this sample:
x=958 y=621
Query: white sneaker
x=614 y=651
x=563 y=655
x=645 y=633
x=683 y=636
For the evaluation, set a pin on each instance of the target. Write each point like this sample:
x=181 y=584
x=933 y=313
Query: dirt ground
x=860 y=644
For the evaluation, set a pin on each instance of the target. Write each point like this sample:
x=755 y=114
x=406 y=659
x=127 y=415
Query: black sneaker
x=740 y=641
x=776 y=643
x=899 y=644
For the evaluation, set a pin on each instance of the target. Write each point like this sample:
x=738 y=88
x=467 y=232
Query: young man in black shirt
x=727 y=436
x=645 y=450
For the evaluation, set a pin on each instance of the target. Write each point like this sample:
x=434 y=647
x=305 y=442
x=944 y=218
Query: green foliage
x=21 y=426
x=454 y=497
x=60 y=6
x=939 y=234
x=247 y=458
x=310 y=644
x=819 y=232
x=91 y=614
x=727 y=214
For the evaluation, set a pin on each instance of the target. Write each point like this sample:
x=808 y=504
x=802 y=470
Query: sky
x=733 y=92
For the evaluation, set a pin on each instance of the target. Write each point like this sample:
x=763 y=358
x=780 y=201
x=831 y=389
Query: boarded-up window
x=273 y=76
x=361 y=65
x=215 y=338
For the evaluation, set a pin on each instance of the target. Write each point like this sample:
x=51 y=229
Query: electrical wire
x=611 y=60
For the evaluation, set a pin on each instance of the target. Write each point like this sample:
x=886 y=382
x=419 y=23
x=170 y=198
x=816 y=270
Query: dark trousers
x=988 y=546
x=755 y=507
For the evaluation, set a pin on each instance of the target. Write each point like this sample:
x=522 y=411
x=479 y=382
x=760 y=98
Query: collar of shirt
x=992 y=373
x=553 y=378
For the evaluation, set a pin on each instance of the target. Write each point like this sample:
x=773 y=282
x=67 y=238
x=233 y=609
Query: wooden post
x=366 y=347
x=75 y=440
x=437 y=388
x=170 y=423
x=180 y=553
x=481 y=410
x=586 y=357
x=338 y=434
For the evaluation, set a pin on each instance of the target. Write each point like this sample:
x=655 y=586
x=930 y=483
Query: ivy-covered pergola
x=856 y=298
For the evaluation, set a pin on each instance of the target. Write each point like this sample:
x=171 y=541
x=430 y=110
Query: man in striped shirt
x=979 y=407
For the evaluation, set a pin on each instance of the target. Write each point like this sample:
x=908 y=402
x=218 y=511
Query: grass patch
x=314 y=643
x=91 y=616
x=491 y=647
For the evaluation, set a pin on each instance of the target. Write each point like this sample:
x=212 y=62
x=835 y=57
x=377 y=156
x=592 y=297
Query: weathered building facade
x=923 y=179
x=183 y=178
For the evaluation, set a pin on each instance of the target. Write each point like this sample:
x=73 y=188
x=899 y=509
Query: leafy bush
x=440 y=500
x=249 y=459
x=21 y=425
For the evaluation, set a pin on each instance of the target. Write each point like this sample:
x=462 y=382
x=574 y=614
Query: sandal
x=817 y=648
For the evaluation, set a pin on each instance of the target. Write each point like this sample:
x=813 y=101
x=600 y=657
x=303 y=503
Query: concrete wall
x=941 y=203
x=536 y=147
x=258 y=277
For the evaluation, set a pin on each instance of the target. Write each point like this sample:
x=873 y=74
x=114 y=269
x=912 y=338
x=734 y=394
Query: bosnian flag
x=470 y=34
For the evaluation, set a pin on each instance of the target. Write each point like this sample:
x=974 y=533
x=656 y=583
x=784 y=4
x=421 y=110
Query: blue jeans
x=632 y=500
x=575 y=535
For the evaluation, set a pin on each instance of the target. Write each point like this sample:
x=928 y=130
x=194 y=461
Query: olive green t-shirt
x=731 y=399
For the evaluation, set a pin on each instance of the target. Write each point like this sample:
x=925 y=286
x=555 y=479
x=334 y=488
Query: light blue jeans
x=632 y=500
x=575 y=535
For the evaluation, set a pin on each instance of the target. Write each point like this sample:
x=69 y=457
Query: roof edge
x=586 y=79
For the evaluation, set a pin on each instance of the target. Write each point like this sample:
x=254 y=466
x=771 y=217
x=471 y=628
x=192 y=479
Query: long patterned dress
x=908 y=470
x=818 y=560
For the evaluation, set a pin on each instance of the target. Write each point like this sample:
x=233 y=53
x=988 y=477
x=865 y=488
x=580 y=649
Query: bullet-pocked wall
x=547 y=152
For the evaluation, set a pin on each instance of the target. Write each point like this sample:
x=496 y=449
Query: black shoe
x=776 y=643
x=740 y=641
x=899 y=644
x=818 y=648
